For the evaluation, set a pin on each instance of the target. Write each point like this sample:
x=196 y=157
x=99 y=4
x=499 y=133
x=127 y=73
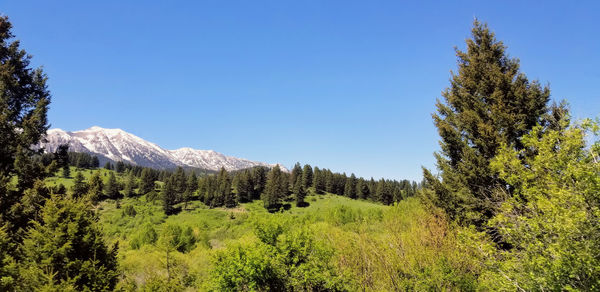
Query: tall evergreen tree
x=130 y=185
x=307 y=176
x=146 y=182
x=489 y=103
x=259 y=179
x=80 y=187
x=299 y=191
x=191 y=187
x=245 y=186
x=296 y=172
x=224 y=189
x=112 y=187
x=67 y=249
x=95 y=187
x=120 y=166
x=180 y=181
x=350 y=187
x=318 y=180
x=168 y=195
x=276 y=189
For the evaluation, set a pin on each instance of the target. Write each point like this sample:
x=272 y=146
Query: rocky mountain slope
x=118 y=145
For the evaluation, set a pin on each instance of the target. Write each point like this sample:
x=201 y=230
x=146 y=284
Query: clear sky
x=347 y=85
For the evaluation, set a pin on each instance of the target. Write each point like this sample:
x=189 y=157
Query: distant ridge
x=118 y=145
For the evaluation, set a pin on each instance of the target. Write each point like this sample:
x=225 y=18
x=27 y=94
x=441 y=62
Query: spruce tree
x=489 y=103
x=296 y=172
x=80 y=187
x=224 y=189
x=307 y=176
x=259 y=179
x=146 y=182
x=168 y=195
x=108 y=165
x=67 y=247
x=299 y=192
x=95 y=187
x=130 y=186
x=275 y=190
x=112 y=187
x=245 y=186
x=350 y=187
x=191 y=187
x=318 y=180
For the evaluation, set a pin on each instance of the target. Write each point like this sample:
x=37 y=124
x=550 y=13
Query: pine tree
x=95 y=162
x=95 y=187
x=108 y=165
x=259 y=179
x=120 y=166
x=350 y=187
x=112 y=187
x=168 y=195
x=299 y=192
x=362 y=189
x=307 y=176
x=245 y=186
x=191 y=187
x=296 y=172
x=68 y=243
x=489 y=103
x=275 y=190
x=180 y=181
x=146 y=182
x=224 y=189
x=130 y=185
x=318 y=180
x=80 y=187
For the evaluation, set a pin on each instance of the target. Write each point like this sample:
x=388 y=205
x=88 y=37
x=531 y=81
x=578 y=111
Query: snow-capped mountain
x=118 y=145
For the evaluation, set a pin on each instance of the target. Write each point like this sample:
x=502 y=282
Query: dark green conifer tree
x=275 y=190
x=318 y=180
x=296 y=172
x=489 y=103
x=66 y=250
x=95 y=187
x=307 y=176
x=259 y=179
x=80 y=187
x=299 y=192
x=112 y=187
x=350 y=187
x=224 y=189
x=130 y=185
x=168 y=195
x=146 y=182
x=120 y=166
x=191 y=187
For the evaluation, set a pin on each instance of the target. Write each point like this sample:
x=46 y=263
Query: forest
x=513 y=205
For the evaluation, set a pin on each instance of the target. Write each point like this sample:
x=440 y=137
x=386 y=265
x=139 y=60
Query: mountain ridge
x=119 y=145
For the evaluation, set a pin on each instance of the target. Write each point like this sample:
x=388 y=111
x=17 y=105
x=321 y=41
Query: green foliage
x=80 y=187
x=489 y=103
x=112 y=187
x=95 y=187
x=553 y=221
x=68 y=244
x=147 y=182
x=276 y=189
x=168 y=195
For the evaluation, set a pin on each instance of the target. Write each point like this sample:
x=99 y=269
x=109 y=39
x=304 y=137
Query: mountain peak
x=118 y=145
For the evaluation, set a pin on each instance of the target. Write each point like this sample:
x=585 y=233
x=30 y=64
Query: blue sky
x=347 y=85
